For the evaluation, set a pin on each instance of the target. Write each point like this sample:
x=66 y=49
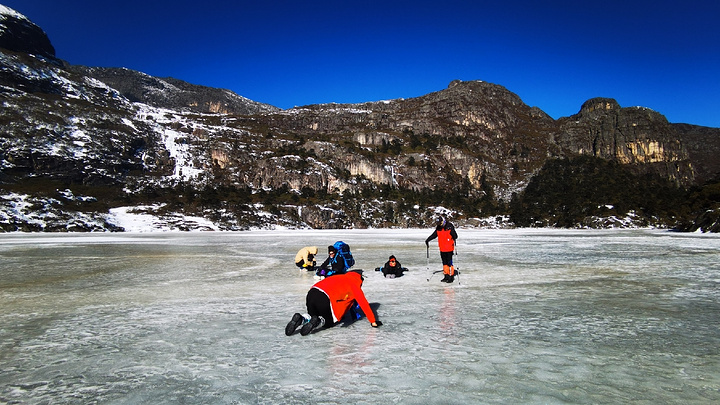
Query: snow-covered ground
x=539 y=316
x=132 y=221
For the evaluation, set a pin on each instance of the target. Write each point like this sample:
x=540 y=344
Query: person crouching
x=305 y=258
x=328 y=301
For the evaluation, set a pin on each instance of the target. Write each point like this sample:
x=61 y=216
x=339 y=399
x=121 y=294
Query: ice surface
x=539 y=316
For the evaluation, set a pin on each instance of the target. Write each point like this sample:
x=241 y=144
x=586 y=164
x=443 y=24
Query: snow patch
x=145 y=219
x=6 y=12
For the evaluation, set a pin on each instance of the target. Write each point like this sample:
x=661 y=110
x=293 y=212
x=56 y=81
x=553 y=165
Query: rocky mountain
x=172 y=93
x=19 y=34
x=638 y=137
x=80 y=144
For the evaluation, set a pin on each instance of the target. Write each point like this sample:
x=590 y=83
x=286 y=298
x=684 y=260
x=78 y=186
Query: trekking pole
x=457 y=268
x=428 y=265
x=434 y=273
x=427 y=261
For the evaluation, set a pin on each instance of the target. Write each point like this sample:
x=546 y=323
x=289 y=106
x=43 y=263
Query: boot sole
x=293 y=324
x=308 y=327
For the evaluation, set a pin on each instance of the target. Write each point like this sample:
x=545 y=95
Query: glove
x=377 y=323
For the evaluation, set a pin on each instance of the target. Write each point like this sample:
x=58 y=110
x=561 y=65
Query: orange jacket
x=446 y=236
x=343 y=289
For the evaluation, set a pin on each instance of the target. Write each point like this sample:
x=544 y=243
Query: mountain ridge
x=121 y=138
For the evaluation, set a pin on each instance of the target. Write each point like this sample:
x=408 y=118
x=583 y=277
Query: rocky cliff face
x=172 y=93
x=635 y=136
x=472 y=130
x=19 y=34
x=123 y=138
x=703 y=149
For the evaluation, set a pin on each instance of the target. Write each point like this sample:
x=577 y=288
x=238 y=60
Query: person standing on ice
x=446 y=236
x=328 y=301
x=305 y=258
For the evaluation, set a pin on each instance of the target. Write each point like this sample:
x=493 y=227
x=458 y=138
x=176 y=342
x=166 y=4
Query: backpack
x=343 y=250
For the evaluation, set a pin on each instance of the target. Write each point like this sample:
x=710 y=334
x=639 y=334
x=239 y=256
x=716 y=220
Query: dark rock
x=703 y=147
x=18 y=34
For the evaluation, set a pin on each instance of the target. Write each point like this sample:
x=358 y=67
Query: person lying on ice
x=392 y=268
x=328 y=300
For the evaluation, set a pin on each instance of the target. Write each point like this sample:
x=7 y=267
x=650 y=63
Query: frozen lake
x=539 y=316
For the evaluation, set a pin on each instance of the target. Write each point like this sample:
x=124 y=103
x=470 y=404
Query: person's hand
x=427 y=243
x=376 y=324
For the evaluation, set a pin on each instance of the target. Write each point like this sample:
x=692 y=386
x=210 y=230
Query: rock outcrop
x=173 y=93
x=19 y=34
x=635 y=136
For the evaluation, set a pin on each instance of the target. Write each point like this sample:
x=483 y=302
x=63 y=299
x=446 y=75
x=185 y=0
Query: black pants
x=318 y=304
x=446 y=258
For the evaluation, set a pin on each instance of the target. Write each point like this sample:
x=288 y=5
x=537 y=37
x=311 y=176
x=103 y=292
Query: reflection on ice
x=540 y=316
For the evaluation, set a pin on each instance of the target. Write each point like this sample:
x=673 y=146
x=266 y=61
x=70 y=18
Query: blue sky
x=555 y=55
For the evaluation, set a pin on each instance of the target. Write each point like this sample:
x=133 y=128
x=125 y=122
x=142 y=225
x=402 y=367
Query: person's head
x=332 y=250
x=440 y=221
x=392 y=260
x=313 y=250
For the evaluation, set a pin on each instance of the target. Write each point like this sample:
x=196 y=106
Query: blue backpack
x=343 y=250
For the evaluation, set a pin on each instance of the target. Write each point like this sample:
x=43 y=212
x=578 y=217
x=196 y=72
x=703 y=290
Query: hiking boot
x=296 y=321
x=445 y=279
x=450 y=279
x=314 y=322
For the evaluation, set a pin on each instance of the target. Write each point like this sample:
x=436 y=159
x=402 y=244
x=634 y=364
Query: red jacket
x=446 y=236
x=342 y=289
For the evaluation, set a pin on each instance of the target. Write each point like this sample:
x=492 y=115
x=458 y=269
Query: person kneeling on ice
x=328 y=301
x=392 y=268
x=305 y=258
x=334 y=264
